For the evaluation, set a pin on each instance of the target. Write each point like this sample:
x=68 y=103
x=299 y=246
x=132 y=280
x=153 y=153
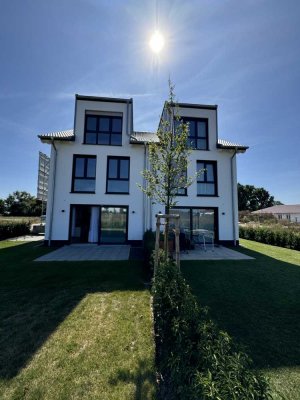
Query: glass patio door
x=203 y=224
x=113 y=226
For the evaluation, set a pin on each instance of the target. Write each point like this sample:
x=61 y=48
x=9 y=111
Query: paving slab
x=213 y=253
x=88 y=252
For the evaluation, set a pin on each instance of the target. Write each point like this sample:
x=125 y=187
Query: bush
x=13 y=229
x=278 y=236
x=148 y=246
x=195 y=359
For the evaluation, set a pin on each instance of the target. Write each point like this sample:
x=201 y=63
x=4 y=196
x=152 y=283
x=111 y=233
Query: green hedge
x=282 y=237
x=195 y=360
x=148 y=247
x=13 y=229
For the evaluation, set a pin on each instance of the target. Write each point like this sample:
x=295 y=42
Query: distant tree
x=22 y=203
x=277 y=203
x=252 y=198
x=2 y=206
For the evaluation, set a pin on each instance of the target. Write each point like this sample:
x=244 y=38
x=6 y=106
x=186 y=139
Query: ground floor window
x=198 y=224
x=98 y=224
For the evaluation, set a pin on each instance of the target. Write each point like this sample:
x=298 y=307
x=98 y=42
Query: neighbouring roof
x=282 y=209
x=67 y=135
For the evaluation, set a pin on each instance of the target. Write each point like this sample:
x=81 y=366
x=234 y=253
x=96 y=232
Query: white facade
x=140 y=212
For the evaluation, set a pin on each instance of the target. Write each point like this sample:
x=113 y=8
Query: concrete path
x=213 y=253
x=88 y=252
x=27 y=238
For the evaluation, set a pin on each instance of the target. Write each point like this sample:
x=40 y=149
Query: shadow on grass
x=142 y=378
x=255 y=301
x=36 y=297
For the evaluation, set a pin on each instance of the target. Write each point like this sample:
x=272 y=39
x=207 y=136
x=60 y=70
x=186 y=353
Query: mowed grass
x=73 y=330
x=258 y=303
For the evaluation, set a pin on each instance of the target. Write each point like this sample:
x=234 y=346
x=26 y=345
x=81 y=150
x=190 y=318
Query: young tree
x=168 y=159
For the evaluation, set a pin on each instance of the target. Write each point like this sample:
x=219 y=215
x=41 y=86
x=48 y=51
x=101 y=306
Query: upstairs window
x=198 y=132
x=102 y=129
x=207 y=180
x=84 y=174
x=117 y=175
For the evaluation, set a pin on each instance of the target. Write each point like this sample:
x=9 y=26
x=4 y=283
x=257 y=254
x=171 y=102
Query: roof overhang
x=61 y=136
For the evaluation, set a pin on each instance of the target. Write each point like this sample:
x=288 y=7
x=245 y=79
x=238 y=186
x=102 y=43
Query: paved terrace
x=93 y=252
x=88 y=252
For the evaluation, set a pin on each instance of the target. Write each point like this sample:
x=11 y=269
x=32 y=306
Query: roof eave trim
x=51 y=138
x=240 y=148
x=102 y=99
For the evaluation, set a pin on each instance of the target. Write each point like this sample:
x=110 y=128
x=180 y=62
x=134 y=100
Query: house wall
x=227 y=218
x=141 y=212
x=284 y=217
x=63 y=197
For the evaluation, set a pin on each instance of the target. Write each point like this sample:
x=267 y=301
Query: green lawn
x=258 y=303
x=73 y=330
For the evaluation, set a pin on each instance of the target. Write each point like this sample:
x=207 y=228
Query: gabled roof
x=67 y=135
x=137 y=137
x=281 y=209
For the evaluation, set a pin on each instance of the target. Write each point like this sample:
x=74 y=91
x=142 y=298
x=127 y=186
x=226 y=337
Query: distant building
x=284 y=212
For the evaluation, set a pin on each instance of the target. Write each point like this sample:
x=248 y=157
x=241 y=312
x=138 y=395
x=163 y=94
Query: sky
x=242 y=55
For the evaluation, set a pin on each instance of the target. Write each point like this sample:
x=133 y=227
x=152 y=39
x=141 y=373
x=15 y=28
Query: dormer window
x=103 y=129
x=198 y=132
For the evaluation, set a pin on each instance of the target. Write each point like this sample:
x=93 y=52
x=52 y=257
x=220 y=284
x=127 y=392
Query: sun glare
x=157 y=42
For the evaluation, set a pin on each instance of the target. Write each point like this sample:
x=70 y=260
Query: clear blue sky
x=242 y=55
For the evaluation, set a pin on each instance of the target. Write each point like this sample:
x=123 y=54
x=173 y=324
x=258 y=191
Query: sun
x=157 y=42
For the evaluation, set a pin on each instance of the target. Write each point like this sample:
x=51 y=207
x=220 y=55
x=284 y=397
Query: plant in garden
x=168 y=160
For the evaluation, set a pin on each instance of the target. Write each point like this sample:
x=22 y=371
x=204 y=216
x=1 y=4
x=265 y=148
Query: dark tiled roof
x=62 y=135
x=282 y=209
x=225 y=144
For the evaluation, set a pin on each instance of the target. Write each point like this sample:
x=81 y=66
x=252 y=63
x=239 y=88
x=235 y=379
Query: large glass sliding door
x=113 y=227
x=98 y=224
x=198 y=223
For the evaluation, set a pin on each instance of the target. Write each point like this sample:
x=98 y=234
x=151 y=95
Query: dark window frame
x=194 y=119
x=100 y=206
x=85 y=177
x=215 y=181
x=97 y=131
x=118 y=178
x=191 y=208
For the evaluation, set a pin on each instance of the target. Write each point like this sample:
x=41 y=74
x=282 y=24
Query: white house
x=95 y=167
x=282 y=212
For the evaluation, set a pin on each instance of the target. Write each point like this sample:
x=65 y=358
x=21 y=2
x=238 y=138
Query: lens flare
x=157 y=42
